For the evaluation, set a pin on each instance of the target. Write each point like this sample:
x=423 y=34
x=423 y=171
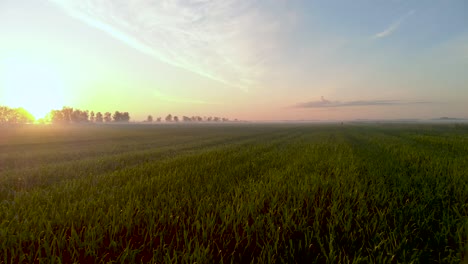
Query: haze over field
x=248 y=59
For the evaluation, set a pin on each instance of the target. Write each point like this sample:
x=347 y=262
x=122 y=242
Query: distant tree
x=23 y=116
x=67 y=113
x=158 y=119
x=199 y=118
x=176 y=119
x=216 y=119
x=169 y=118
x=15 y=116
x=117 y=116
x=7 y=115
x=4 y=114
x=76 y=116
x=186 y=119
x=225 y=119
x=80 y=116
x=121 y=116
x=57 y=117
x=209 y=119
x=107 y=117
x=149 y=118
x=99 y=117
x=85 y=116
x=125 y=117
x=92 y=116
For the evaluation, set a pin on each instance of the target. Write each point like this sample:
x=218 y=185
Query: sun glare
x=36 y=86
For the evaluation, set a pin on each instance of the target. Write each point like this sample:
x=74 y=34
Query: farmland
x=234 y=193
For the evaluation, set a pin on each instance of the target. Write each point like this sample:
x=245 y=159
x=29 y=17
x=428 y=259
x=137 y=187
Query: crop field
x=234 y=193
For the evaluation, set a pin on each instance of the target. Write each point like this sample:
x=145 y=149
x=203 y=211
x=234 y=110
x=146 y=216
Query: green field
x=234 y=193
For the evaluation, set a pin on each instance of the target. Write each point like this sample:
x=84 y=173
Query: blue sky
x=250 y=59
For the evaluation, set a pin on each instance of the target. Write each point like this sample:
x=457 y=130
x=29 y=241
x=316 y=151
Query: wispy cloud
x=216 y=39
x=324 y=103
x=172 y=99
x=393 y=26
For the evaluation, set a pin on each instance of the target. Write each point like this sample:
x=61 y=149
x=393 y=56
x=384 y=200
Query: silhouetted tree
x=176 y=119
x=186 y=119
x=117 y=116
x=99 y=117
x=67 y=114
x=121 y=116
x=158 y=119
x=85 y=116
x=78 y=116
x=22 y=116
x=15 y=116
x=149 y=118
x=169 y=118
x=107 y=117
x=57 y=117
x=4 y=113
x=126 y=117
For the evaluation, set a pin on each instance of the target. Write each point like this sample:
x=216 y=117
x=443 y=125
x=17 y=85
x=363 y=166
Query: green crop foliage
x=234 y=193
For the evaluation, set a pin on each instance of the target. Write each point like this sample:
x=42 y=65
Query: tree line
x=169 y=118
x=70 y=115
x=15 y=116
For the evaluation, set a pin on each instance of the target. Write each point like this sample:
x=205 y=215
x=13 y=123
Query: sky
x=247 y=59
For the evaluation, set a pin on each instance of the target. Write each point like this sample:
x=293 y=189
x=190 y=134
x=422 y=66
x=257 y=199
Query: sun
x=34 y=85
